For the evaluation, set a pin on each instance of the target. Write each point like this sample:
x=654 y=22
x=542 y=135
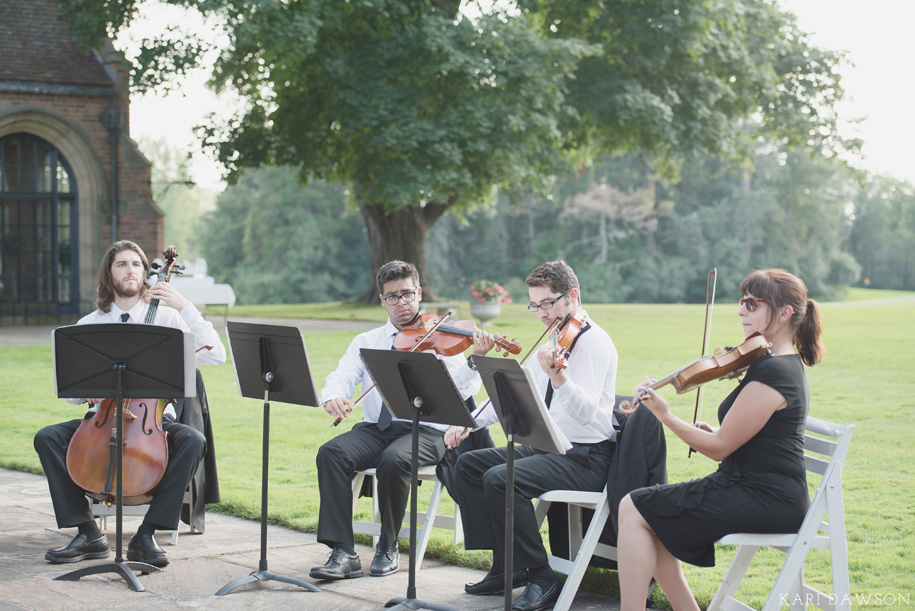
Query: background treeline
x=631 y=235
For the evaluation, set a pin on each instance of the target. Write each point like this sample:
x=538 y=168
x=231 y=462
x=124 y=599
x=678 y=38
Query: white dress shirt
x=351 y=371
x=583 y=406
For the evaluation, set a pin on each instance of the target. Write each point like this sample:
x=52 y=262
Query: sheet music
x=555 y=432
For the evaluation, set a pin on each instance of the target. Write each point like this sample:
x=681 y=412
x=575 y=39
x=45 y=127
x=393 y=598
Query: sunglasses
x=751 y=302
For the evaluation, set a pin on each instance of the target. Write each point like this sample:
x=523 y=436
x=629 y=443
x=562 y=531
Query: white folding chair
x=101 y=511
x=581 y=547
x=425 y=521
x=790 y=588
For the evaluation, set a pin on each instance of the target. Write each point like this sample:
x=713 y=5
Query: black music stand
x=415 y=384
x=270 y=362
x=524 y=416
x=121 y=361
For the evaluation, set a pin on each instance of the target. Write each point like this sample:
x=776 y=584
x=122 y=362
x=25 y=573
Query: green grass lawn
x=866 y=378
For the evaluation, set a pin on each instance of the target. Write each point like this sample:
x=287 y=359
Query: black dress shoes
x=495 y=584
x=536 y=598
x=386 y=561
x=340 y=565
x=80 y=548
x=143 y=548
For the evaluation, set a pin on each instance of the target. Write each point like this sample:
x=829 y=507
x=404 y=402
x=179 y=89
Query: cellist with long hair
x=124 y=296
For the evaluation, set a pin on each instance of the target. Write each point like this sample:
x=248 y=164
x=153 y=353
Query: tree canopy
x=423 y=109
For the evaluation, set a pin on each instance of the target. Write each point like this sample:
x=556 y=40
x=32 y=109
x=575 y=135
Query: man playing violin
x=124 y=296
x=580 y=398
x=379 y=440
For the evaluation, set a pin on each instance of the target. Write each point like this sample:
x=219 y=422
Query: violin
x=430 y=332
x=91 y=454
x=563 y=336
x=724 y=364
x=447 y=340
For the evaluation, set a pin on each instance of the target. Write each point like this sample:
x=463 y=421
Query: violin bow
x=558 y=323
x=709 y=310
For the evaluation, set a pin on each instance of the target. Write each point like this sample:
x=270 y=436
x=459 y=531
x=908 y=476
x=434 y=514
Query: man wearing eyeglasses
x=580 y=400
x=378 y=440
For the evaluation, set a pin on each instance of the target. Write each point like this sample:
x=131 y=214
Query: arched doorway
x=39 y=257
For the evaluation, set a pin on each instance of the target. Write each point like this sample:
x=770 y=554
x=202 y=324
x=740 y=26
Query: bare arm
x=751 y=410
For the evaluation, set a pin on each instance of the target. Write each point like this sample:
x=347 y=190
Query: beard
x=126 y=291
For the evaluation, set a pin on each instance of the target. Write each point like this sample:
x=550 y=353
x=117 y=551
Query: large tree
x=423 y=109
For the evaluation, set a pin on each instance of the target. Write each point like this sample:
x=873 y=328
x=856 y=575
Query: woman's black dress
x=760 y=488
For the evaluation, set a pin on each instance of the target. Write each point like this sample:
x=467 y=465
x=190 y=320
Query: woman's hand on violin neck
x=646 y=395
x=339 y=407
x=483 y=342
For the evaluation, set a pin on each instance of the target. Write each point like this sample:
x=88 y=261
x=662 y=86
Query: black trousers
x=482 y=483
x=186 y=447
x=364 y=447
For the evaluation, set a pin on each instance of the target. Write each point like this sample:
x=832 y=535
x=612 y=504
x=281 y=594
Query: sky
x=876 y=34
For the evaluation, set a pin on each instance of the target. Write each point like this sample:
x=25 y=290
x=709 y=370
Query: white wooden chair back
x=825 y=449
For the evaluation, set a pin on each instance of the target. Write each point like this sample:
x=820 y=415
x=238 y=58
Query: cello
x=91 y=454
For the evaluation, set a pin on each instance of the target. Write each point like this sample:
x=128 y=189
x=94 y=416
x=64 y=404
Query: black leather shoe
x=495 y=584
x=535 y=598
x=386 y=561
x=339 y=565
x=143 y=548
x=80 y=548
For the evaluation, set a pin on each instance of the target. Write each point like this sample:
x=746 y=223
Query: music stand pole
x=522 y=413
x=509 y=515
x=411 y=602
x=420 y=383
x=269 y=378
x=119 y=566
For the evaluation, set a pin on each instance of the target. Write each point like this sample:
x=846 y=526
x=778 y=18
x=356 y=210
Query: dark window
x=38 y=206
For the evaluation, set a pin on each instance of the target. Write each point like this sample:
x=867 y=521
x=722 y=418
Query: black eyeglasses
x=751 y=302
x=533 y=307
x=392 y=300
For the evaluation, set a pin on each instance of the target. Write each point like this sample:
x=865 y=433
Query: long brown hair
x=782 y=288
x=104 y=288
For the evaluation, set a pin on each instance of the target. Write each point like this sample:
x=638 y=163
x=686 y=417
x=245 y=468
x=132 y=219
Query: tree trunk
x=399 y=235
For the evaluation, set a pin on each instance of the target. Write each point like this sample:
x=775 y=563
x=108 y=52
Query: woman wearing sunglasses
x=760 y=485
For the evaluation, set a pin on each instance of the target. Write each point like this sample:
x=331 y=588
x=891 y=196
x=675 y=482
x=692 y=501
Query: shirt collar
x=389 y=329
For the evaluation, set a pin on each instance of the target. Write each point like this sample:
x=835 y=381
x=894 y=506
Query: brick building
x=71 y=179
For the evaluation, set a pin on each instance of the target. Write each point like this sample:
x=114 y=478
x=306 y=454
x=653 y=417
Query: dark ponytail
x=807 y=335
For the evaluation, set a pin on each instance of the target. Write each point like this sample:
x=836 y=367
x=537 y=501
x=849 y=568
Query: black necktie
x=125 y=316
x=384 y=417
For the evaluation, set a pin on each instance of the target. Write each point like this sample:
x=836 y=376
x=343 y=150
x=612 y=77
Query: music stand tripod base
x=266 y=576
x=124 y=569
x=412 y=604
